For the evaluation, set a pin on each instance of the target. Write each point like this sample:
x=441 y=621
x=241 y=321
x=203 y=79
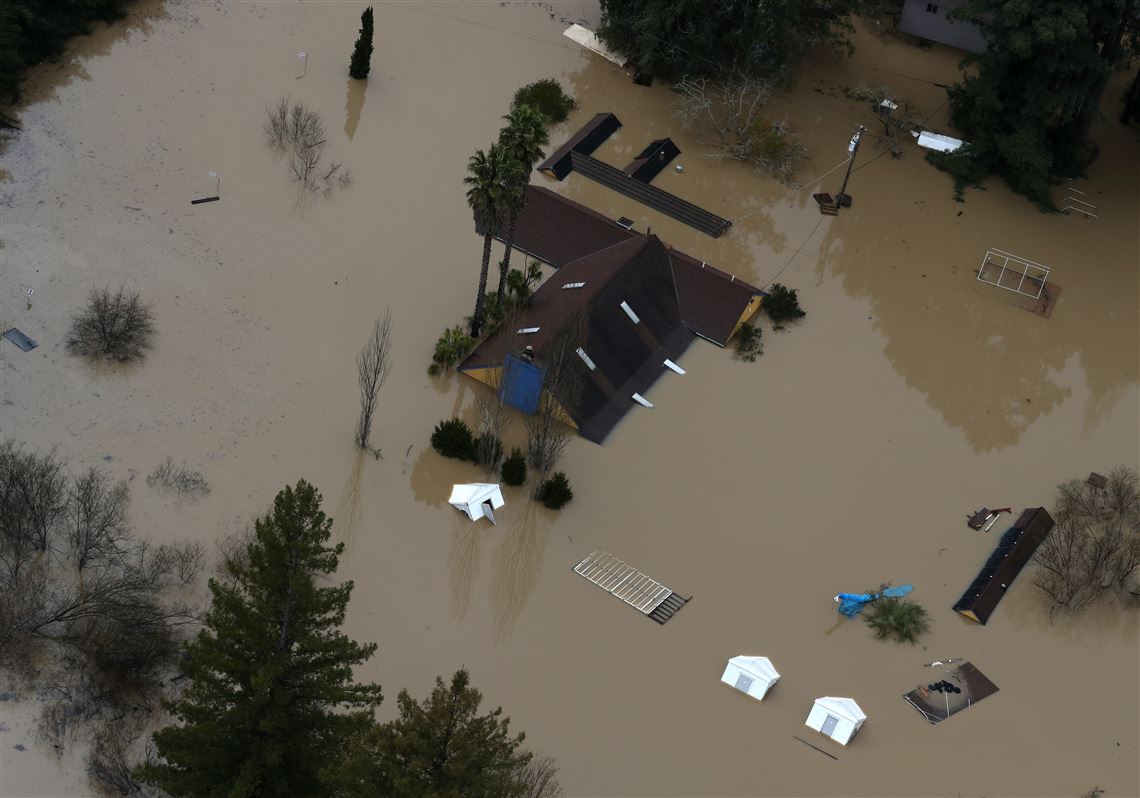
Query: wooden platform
x=646 y=595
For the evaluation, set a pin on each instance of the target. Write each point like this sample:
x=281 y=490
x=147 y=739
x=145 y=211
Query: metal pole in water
x=304 y=56
x=853 y=148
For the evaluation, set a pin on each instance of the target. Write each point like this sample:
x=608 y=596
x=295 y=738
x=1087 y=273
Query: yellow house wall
x=749 y=311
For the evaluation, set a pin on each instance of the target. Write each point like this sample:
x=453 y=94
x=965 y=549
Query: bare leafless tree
x=92 y=587
x=233 y=552
x=538 y=778
x=33 y=499
x=96 y=518
x=547 y=432
x=729 y=113
x=110 y=764
x=299 y=133
x=372 y=366
x=1093 y=552
x=182 y=478
x=115 y=325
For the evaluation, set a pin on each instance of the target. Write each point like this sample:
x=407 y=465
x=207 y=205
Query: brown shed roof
x=1013 y=551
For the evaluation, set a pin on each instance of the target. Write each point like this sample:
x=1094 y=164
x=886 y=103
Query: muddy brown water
x=848 y=455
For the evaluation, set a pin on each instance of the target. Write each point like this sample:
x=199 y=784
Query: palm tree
x=494 y=189
x=903 y=619
x=524 y=137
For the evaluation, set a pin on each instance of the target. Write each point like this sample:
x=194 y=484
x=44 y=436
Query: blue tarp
x=851 y=604
x=522 y=384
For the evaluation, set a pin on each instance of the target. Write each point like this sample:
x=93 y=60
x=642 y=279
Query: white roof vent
x=527 y=330
x=572 y=285
x=641 y=400
x=669 y=364
x=586 y=359
x=629 y=312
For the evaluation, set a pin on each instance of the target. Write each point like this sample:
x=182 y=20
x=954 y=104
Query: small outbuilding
x=838 y=718
x=477 y=500
x=750 y=675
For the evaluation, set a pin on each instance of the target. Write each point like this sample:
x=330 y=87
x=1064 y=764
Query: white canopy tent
x=588 y=39
x=838 y=718
x=750 y=675
x=477 y=499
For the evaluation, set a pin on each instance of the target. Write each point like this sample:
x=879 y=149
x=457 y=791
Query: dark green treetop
x=271 y=699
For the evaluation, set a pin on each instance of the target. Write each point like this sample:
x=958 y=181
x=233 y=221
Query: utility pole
x=842 y=200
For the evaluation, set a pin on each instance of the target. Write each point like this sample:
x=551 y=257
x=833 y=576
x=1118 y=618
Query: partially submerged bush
x=773 y=150
x=902 y=619
x=782 y=304
x=453 y=438
x=299 y=132
x=181 y=478
x=748 y=345
x=488 y=449
x=113 y=325
x=514 y=468
x=555 y=492
x=547 y=97
x=452 y=347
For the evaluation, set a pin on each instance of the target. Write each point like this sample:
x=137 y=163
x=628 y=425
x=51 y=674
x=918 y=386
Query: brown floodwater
x=848 y=455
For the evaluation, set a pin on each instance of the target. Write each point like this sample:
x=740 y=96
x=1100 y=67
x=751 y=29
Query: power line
x=794 y=254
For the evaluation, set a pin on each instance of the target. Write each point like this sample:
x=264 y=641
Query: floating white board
x=588 y=39
x=936 y=141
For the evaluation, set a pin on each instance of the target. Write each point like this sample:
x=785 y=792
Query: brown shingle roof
x=712 y=301
x=557 y=230
x=674 y=295
x=628 y=356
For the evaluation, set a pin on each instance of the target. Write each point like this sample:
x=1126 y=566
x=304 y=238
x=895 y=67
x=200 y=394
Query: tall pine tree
x=271 y=700
x=361 y=61
x=441 y=748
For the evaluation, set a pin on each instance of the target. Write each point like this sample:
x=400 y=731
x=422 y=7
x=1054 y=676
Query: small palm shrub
x=451 y=347
x=453 y=438
x=902 y=619
x=555 y=492
x=514 y=468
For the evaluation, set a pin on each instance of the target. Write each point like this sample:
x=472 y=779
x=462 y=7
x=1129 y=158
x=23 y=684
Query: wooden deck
x=646 y=595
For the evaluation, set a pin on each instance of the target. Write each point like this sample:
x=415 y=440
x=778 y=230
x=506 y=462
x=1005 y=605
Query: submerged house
x=930 y=21
x=615 y=316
